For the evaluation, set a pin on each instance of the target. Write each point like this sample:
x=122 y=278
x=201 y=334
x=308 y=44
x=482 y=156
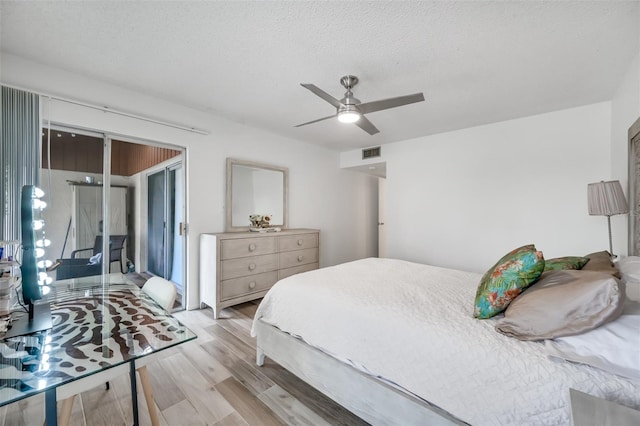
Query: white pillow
x=613 y=347
x=629 y=268
x=633 y=290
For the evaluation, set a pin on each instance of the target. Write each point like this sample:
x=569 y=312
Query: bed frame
x=369 y=398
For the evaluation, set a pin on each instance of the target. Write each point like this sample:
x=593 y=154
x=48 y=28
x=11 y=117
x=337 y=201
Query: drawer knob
x=252 y=247
x=300 y=258
x=252 y=284
x=252 y=266
x=300 y=241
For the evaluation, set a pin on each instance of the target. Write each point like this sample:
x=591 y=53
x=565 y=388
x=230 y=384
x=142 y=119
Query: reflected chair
x=75 y=267
x=164 y=293
x=116 y=245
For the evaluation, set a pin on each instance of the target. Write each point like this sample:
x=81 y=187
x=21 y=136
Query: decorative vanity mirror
x=256 y=189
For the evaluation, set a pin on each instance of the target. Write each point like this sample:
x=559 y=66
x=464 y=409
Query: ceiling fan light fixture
x=348 y=113
x=348 y=116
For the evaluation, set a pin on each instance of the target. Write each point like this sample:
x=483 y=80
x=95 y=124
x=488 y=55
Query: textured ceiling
x=476 y=62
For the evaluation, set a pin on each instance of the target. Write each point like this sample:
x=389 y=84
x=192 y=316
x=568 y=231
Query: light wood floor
x=210 y=381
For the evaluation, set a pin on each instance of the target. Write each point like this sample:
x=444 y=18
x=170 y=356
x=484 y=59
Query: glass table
x=99 y=322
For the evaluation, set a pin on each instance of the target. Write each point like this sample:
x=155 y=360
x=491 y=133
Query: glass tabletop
x=98 y=323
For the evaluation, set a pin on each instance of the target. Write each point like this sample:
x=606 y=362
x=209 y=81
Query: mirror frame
x=229 y=207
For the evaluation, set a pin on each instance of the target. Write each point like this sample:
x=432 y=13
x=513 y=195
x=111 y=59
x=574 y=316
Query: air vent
x=371 y=152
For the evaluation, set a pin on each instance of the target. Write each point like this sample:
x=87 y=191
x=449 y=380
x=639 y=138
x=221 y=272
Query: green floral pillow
x=502 y=283
x=567 y=262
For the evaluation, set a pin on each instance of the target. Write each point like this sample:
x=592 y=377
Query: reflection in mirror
x=72 y=174
x=71 y=157
x=255 y=188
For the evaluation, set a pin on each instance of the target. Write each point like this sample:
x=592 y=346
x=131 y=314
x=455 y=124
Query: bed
x=396 y=342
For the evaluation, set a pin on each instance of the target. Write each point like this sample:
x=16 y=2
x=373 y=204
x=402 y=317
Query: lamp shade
x=606 y=199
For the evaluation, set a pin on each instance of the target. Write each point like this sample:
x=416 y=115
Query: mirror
x=255 y=188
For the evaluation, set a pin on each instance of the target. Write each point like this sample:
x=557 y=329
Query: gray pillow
x=563 y=303
x=601 y=261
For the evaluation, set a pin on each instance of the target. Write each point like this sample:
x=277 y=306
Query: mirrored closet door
x=80 y=221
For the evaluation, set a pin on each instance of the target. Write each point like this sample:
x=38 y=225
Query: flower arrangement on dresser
x=259 y=220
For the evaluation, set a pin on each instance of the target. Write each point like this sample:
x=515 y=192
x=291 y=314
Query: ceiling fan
x=350 y=110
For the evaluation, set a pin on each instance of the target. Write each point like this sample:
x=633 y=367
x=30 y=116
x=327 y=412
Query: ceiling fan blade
x=390 y=103
x=366 y=125
x=324 y=95
x=315 y=121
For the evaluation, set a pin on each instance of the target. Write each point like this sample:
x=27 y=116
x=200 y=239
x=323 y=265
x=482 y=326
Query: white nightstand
x=590 y=410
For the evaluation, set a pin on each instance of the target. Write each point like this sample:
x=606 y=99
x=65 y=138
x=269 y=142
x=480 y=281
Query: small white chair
x=164 y=293
x=67 y=393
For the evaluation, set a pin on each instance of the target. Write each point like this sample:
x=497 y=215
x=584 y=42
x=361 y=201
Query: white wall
x=463 y=199
x=440 y=187
x=339 y=203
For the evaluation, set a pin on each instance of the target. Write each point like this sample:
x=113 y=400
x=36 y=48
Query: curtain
x=19 y=155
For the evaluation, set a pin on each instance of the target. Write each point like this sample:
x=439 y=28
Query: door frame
x=382 y=217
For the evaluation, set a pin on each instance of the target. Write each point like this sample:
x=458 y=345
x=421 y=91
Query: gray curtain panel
x=20 y=156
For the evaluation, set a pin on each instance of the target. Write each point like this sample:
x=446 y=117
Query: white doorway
x=382 y=209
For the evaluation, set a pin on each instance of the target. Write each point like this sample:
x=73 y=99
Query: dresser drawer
x=284 y=273
x=297 y=242
x=246 y=285
x=298 y=257
x=243 y=247
x=234 y=268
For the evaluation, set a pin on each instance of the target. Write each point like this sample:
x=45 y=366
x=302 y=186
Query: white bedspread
x=413 y=325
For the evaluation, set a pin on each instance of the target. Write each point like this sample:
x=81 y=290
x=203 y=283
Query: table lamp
x=607 y=199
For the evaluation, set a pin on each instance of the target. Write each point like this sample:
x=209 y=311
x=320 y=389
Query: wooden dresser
x=236 y=267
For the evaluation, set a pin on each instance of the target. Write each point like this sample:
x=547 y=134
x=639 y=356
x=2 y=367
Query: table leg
x=50 y=407
x=65 y=413
x=134 y=391
x=148 y=395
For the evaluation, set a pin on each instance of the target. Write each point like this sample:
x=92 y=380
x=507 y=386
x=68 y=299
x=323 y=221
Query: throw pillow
x=601 y=261
x=563 y=303
x=629 y=268
x=567 y=262
x=514 y=272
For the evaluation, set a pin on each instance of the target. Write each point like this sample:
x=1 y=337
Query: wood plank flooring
x=210 y=381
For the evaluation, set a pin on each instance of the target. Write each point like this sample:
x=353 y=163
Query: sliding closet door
x=72 y=178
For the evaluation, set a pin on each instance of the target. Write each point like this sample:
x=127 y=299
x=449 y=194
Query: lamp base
x=613 y=256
